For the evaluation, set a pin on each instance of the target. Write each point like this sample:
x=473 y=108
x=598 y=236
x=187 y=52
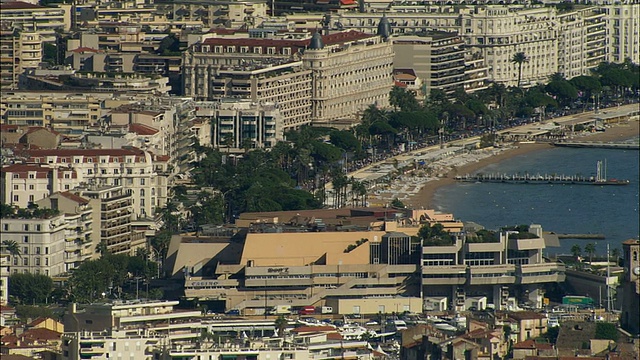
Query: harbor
x=600 y=145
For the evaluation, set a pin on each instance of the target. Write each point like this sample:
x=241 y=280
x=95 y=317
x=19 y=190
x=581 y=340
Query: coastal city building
x=43 y=20
x=440 y=60
x=370 y=258
x=630 y=318
x=301 y=75
x=78 y=216
x=5 y=271
x=623 y=31
x=20 y=50
x=134 y=327
x=41 y=242
x=582 y=41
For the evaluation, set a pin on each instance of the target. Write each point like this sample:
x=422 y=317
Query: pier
x=599 y=145
x=526 y=178
x=581 y=236
x=539 y=179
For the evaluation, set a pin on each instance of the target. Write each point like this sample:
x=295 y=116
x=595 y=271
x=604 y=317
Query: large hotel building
x=318 y=78
x=331 y=257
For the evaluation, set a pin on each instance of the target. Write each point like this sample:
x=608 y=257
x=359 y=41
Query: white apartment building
x=22 y=184
x=259 y=123
x=623 y=31
x=127 y=329
x=5 y=267
x=132 y=168
x=36 y=18
x=582 y=41
x=80 y=243
x=41 y=242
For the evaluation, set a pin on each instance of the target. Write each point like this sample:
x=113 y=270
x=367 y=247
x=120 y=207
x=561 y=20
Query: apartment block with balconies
x=582 y=41
x=112 y=214
x=43 y=20
x=79 y=240
x=136 y=327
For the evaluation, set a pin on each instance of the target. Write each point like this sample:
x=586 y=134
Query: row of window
x=25 y=261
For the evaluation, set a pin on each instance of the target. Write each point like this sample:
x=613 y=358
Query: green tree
x=401 y=99
x=26 y=312
x=576 y=250
x=519 y=59
x=590 y=249
x=6 y=211
x=281 y=324
x=30 y=288
x=607 y=331
x=395 y=203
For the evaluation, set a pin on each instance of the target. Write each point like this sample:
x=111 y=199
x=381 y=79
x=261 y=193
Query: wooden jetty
x=526 y=178
x=600 y=145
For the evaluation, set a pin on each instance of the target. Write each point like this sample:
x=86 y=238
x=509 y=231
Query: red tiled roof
x=84 y=152
x=306 y=329
x=527 y=344
x=4 y=308
x=399 y=84
x=163 y=157
x=37 y=128
x=8 y=128
x=37 y=321
x=331 y=39
x=74 y=197
x=347 y=2
x=40 y=334
x=526 y=315
x=334 y=336
x=142 y=129
x=84 y=49
x=15 y=5
x=25 y=168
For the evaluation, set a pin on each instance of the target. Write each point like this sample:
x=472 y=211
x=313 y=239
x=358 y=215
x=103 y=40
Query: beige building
x=341 y=73
x=630 y=318
x=506 y=266
x=28 y=183
x=441 y=60
x=5 y=268
x=528 y=324
x=42 y=20
x=112 y=211
x=80 y=242
x=19 y=51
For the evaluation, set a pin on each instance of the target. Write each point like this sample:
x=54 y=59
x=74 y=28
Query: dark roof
x=142 y=129
x=331 y=39
x=20 y=5
x=384 y=27
x=526 y=315
x=316 y=41
x=74 y=197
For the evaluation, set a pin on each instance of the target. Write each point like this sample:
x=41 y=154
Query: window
x=38 y=228
x=15 y=187
x=25 y=239
x=5 y=227
x=31 y=187
x=46 y=250
x=31 y=198
x=141 y=171
x=89 y=171
x=26 y=227
x=37 y=261
x=103 y=171
x=16 y=198
x=46 y=261
x=38 y=250
x=31 y=176
x=116 y=171
x=129 y=171
x=142 y=182
x=25 y=261
x=15 y=261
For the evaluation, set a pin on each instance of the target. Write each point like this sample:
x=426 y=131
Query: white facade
x=5 y=261
x=41 y=243
x=22 y=184
x=623 y=29
x=582 y=41
x=132 y=168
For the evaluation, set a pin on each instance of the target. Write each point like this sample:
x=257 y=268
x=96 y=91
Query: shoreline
x=424 y=197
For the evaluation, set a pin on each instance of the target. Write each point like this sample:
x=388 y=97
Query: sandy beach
x=424 y=197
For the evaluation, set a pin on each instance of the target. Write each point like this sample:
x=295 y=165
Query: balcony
x=444 y=275
x=540 y=273
x=492 y=274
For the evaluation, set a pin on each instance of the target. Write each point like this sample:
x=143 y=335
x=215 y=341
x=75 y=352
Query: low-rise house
x=527 y=348
x=530 y=324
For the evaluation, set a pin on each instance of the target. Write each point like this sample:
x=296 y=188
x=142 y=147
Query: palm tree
x=12 y=247
x=615 y=254
x=576 y=250
x=590 y=249
x=281 y=324
x=519 y=58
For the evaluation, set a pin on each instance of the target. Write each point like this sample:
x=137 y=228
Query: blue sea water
x=608 y=210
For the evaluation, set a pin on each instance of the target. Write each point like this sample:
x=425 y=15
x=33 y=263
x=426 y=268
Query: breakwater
x=540 y=179
x=599 y=145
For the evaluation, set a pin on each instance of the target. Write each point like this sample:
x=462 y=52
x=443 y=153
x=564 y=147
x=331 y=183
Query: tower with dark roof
x=384 y=27
x=316 y=41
